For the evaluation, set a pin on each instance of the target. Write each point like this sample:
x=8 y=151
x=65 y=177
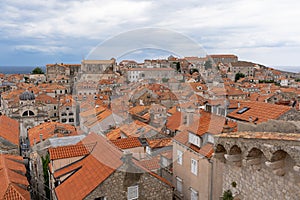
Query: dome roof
x=27 y=96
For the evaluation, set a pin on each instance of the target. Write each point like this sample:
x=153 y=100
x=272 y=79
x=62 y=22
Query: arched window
x=28 y=113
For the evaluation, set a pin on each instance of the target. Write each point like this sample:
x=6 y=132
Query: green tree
x=227 y=195
x=208 y=65
x=37 y=70
x=45 y=162
x=238 y=76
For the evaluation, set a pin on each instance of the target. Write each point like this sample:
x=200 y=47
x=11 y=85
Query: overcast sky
x=38 y=32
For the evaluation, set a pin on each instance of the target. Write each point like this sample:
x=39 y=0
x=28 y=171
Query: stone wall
x=263 y=165
x=254 y=183
x=115 y=187
x=271 y=126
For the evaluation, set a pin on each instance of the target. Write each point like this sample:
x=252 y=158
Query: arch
x=220 y=149
x=255 y=152
x=235 y=150
x=278 y=155
x=28 y=113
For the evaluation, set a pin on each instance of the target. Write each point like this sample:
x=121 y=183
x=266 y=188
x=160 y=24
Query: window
x=210 y=139
x=71 y=113
x=71 y=120
x=54 y=107
x=133 y=192
x=164 y=162
x=179 y=184
x=194 y=166
x=179 y=157
x=194 y=139
x=194 y=194
x=244 y=109
x=100 y=198
x=148 y=150
x=63 y=120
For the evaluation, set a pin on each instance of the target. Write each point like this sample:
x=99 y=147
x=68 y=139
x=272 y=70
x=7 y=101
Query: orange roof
x=92 y=170
x=44 y=98
x=136 y=128
x=70 y=151
x=206 y=150
x=258 y=111
x=151 y=164
x=127 y=143
x=114 y=134
x=209 y=123
x=88 y=173
x=9 y=129
x=50 y=129
x=13 y=184
x=158 y=143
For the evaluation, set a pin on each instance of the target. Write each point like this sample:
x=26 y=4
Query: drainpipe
x=211 y=178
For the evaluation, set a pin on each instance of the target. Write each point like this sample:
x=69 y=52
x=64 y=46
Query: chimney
x=34 y=141
x=41 y=137
x=250 y=119
x=239 y=104
x=226 y=128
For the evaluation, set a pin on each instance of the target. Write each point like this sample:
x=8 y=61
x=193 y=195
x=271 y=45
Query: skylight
x=243 y=110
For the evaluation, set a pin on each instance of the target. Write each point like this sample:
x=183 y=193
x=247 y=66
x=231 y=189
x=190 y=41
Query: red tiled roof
x=114 y=134
x=91 y=171
x=9 y=129
x=127 y=143
x=206 y=150
x=151 y=164
x=174 y=121
x=158 y=143
x=50 y=129
x=70 y=151
x=13 y=184
x=258 y=111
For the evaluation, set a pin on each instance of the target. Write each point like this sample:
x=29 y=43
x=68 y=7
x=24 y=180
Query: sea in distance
x=18 y=69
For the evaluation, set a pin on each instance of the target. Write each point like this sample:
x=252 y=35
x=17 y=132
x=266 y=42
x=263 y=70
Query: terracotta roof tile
x=70 y=151
x=127 y=143
x=13 y=182
x=151 y=164
x=9 y=129
x=158 y=143
x=91 y=171
x=50 y=129
x=114 y=134
x=258 y=111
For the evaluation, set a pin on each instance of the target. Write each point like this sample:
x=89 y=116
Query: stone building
x=260 y=165
x=136 y=74
x=224 y=59
x=103 y=173
x=244 y=67
x=65 y=74
x=22 y=106
x=94 y=70
x=193 y=169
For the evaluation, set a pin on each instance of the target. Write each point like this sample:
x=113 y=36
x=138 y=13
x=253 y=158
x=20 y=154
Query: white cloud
x=219 y=25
